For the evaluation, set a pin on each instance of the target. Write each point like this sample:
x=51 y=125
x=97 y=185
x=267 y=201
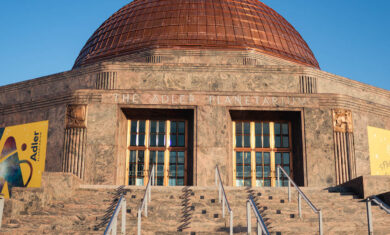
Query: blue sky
x=42 y=37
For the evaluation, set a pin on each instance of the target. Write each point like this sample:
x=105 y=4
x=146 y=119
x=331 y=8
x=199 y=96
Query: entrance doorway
x=159 y=141
x=261 y=142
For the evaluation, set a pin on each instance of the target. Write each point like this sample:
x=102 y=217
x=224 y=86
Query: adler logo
x=35 y=146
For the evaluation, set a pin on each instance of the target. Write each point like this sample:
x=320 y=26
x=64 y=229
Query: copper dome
x=207 y=24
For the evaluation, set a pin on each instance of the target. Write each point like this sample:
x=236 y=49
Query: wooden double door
x=258 y=148
x=158 y=143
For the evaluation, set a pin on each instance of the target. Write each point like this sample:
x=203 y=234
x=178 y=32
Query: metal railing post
x=147 y=199
x=223 y=199
x=231 y=222
x=150 y=194
x=320 y=221
x=260 y=224
x=220 y=193
x=146 y=205
x=216 y=177
x=114 y=224
x=124 y=216
x=1 y=208
x=299 y=206
x=153 y=177
x=139 y=222
x=248 y=217
x=300 y=196
x=223 y=207
x=369 y=217
x=289 y=190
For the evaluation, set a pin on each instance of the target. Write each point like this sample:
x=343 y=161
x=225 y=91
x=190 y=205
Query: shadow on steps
x=187 y=209
x=105 y=219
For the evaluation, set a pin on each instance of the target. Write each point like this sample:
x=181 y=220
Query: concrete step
x=196 y=210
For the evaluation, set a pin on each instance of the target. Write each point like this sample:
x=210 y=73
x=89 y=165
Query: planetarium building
x=187 y=85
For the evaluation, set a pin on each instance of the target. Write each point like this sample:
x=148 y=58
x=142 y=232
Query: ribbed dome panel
x=199 y=24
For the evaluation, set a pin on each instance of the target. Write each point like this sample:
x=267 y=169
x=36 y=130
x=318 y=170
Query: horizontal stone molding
x=66 y=75
x=259 y=69
x=255 y=100
x=230 y=99
x=77 y=98
x=346 y=81
x=353 y=104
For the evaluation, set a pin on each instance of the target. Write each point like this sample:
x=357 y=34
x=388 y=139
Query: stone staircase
x=199 y=212
x=187 y=210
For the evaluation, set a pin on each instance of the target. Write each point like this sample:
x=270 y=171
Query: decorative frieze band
x=344 y=146
x=74 y=151
x=154 y=59
x=345 y=161
x=75 y=139
x=106 y=80
x=249 y=61
x=307 y=85
x=342 y=120
x=76 y=116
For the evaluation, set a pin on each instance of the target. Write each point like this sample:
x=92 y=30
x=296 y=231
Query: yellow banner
x=22 y=155
x=379 y=143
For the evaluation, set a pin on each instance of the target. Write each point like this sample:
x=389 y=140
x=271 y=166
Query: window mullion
x=157 y=132
x=166 y=152
x=147 y=150
x=234 y=153
x=252 y=152
x=137 y=134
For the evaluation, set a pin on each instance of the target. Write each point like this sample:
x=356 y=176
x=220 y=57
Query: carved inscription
x=256 y=101
x=214 y=100
x=342 y=120
x=76 y=116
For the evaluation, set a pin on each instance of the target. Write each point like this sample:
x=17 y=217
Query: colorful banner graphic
x=22 y=155
x=379 y=142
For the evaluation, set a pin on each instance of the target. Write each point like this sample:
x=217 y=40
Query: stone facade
x=211 y=84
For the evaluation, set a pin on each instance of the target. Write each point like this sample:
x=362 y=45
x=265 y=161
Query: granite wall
x=319 y=146
x=102 y=144
x=260 y=81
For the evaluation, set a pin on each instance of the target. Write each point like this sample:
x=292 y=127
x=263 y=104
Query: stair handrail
x=223 y=199
x=261 y=226
x=300 y=194
x=146 y=199
x=381 y=204
x=1 y=207
x=112 y=225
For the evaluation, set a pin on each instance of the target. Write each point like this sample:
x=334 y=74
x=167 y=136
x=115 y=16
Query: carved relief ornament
x=342 y=120
x=76 y=116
